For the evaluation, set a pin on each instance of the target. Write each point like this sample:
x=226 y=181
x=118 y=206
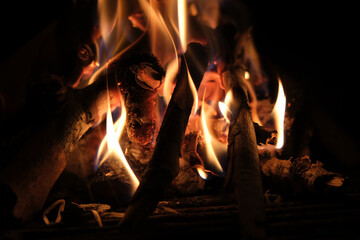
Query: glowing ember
x=279 y=115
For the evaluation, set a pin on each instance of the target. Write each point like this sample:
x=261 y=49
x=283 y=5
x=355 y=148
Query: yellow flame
x=279 y=115
x=225 y=106
x=159 y=27
x=172 y=68
x=183 y=23
x=211 y=143
x=171 y=72
x=112 y=16
x=202 y=173
x=183 y=31
x=193 y=91
x=247 y=75
x=111 y=140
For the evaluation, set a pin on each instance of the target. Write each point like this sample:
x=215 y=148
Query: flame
x=183 y=32
x=112 y=21
x=247 y=75
x=279 y=115
x=183 y=23
x=111 y=141
x=171 y=72
x=202 y=173
x=193 y=91
x=213 y=146
x=225 y=106
x=162 y=40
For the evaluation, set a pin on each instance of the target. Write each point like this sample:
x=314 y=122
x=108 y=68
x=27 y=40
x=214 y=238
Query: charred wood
x=164 y=164
x=300 y=176
x=43 y=156
x=243 y=160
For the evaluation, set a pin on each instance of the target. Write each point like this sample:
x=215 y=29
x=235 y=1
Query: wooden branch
x=243 y=166
x=36 y=167
x=164 y=164
x=28 y=178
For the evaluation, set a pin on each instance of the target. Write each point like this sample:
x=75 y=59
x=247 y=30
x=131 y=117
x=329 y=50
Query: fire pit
x=161 y=119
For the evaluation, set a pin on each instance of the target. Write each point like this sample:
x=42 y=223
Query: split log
x=26 y=181
x=32 y=173
x=164 y=164
x=300 y=176
x=243 y=159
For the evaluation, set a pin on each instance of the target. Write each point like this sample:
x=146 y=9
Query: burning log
x=299 y=175
x=243 y=166
x=28 y=178
x=138 y=75
x=32 y=173
x=164 y=164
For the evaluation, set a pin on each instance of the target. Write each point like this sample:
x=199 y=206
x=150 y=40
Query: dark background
x=316 y=44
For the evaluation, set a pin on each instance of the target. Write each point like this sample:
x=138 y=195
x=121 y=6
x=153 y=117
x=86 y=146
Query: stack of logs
x=27 y=179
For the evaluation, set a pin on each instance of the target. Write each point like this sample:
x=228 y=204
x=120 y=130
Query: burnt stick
x=164 y=164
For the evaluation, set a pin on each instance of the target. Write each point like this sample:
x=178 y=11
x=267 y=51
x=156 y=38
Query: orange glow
x=110 y=147
x=279 y=115
x=212 y=145
x=161 y=41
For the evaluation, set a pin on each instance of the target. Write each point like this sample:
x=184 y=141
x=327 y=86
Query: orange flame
x=111 y=141
x=279 y=115
x=173 y=66
x=213 y=146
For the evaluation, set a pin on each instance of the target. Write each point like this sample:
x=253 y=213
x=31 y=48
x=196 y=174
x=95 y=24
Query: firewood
x=29 y=177
x=296 y=176
x=38 y=164
x=243 y=159
x=143 y=76
x=164 y=164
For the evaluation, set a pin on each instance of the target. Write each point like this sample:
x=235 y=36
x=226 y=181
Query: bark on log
x=40 y=162
x=164 y=164
x=28 y=178
x=243 y=166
